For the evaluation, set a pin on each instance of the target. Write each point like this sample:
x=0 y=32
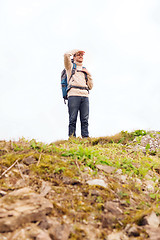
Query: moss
x=10 y=158
x=2 y=183
x=78 y=234
x=137 y=216
x=60 y=209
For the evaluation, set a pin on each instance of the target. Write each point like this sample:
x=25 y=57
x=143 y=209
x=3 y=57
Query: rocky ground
x=99 y=188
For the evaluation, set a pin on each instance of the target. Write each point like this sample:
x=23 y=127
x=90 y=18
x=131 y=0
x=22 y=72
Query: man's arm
x=67 y=58
x=90 y=81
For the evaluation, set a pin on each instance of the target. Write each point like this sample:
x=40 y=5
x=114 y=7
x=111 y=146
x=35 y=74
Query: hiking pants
x=78 y=104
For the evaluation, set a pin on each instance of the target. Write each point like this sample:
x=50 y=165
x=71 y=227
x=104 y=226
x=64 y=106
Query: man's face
x=79 y=57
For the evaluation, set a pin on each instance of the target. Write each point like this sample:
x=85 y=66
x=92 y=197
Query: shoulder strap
x=79 y=87
x=73 y=70
x=74 y=65
x=85 y=75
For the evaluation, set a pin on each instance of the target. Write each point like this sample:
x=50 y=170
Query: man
x=79 y=85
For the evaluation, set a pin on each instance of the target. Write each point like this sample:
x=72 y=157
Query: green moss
x=8 y=159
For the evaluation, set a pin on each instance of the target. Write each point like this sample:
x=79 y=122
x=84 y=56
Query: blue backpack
x=64 y=84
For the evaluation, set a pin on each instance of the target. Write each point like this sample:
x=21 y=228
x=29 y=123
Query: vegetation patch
x=67 y=166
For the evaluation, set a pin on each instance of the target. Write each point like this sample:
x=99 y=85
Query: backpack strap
x=85 y=74
x=73 y=70
x=79 y=87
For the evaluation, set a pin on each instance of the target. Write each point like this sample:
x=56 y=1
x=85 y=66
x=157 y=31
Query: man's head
x=78 y=57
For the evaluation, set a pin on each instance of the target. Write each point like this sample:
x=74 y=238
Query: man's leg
x=73 y=107
x=84 y=116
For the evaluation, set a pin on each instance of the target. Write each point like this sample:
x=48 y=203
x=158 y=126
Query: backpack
x=64 y=84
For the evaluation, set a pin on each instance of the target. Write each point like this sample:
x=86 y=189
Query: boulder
x=59 y=231
x=20 y=207
x=117 y=236
x=45 y=189
x=113 y=207
x=105 y=168
x=98 y=182
x=132 y=231
x=29 y=160
x=153 y=232
x=152 y=220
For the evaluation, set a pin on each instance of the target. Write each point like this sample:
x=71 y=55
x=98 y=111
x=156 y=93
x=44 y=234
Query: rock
x=71 y=181
x=2 y=193
x=138 y=181
x=153 y=232
x=119 y=171
x=29 y=232
x=149 y=185
x=106 y=168
x=108 y=220
x=113 y=207
x=149 y=175
x=55 y=229
x=132 y=231
x=22 y=167
x=85 y=176
x=59 y=231
x=20 y=207
x=95 y=193
x=44 y=224
x=45 y=189
x=117 y=236
x=98 y=182
x=29 y=160
x=112 y=214
x=152 y=220
x=123 y=178
x=19 y=234
x=90 y=232
x=21 y=183
x=43 y=236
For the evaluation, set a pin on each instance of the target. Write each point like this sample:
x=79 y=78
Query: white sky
x=121 y=39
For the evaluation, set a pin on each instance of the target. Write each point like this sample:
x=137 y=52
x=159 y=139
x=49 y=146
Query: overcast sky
x=121 y=39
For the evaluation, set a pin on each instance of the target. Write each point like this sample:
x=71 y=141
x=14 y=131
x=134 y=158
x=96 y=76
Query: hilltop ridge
x=96 y=188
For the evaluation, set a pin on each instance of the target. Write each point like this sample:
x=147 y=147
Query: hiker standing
x=79 y=84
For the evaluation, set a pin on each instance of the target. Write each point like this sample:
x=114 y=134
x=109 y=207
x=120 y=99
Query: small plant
x=17 y=148
x=59 y=169
x=122 y=194
x=138 y=139
x=33 y=144
x=147 y=146
x=99 y=199
x=155 y=196
x=40 y=147
x=139 y=132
